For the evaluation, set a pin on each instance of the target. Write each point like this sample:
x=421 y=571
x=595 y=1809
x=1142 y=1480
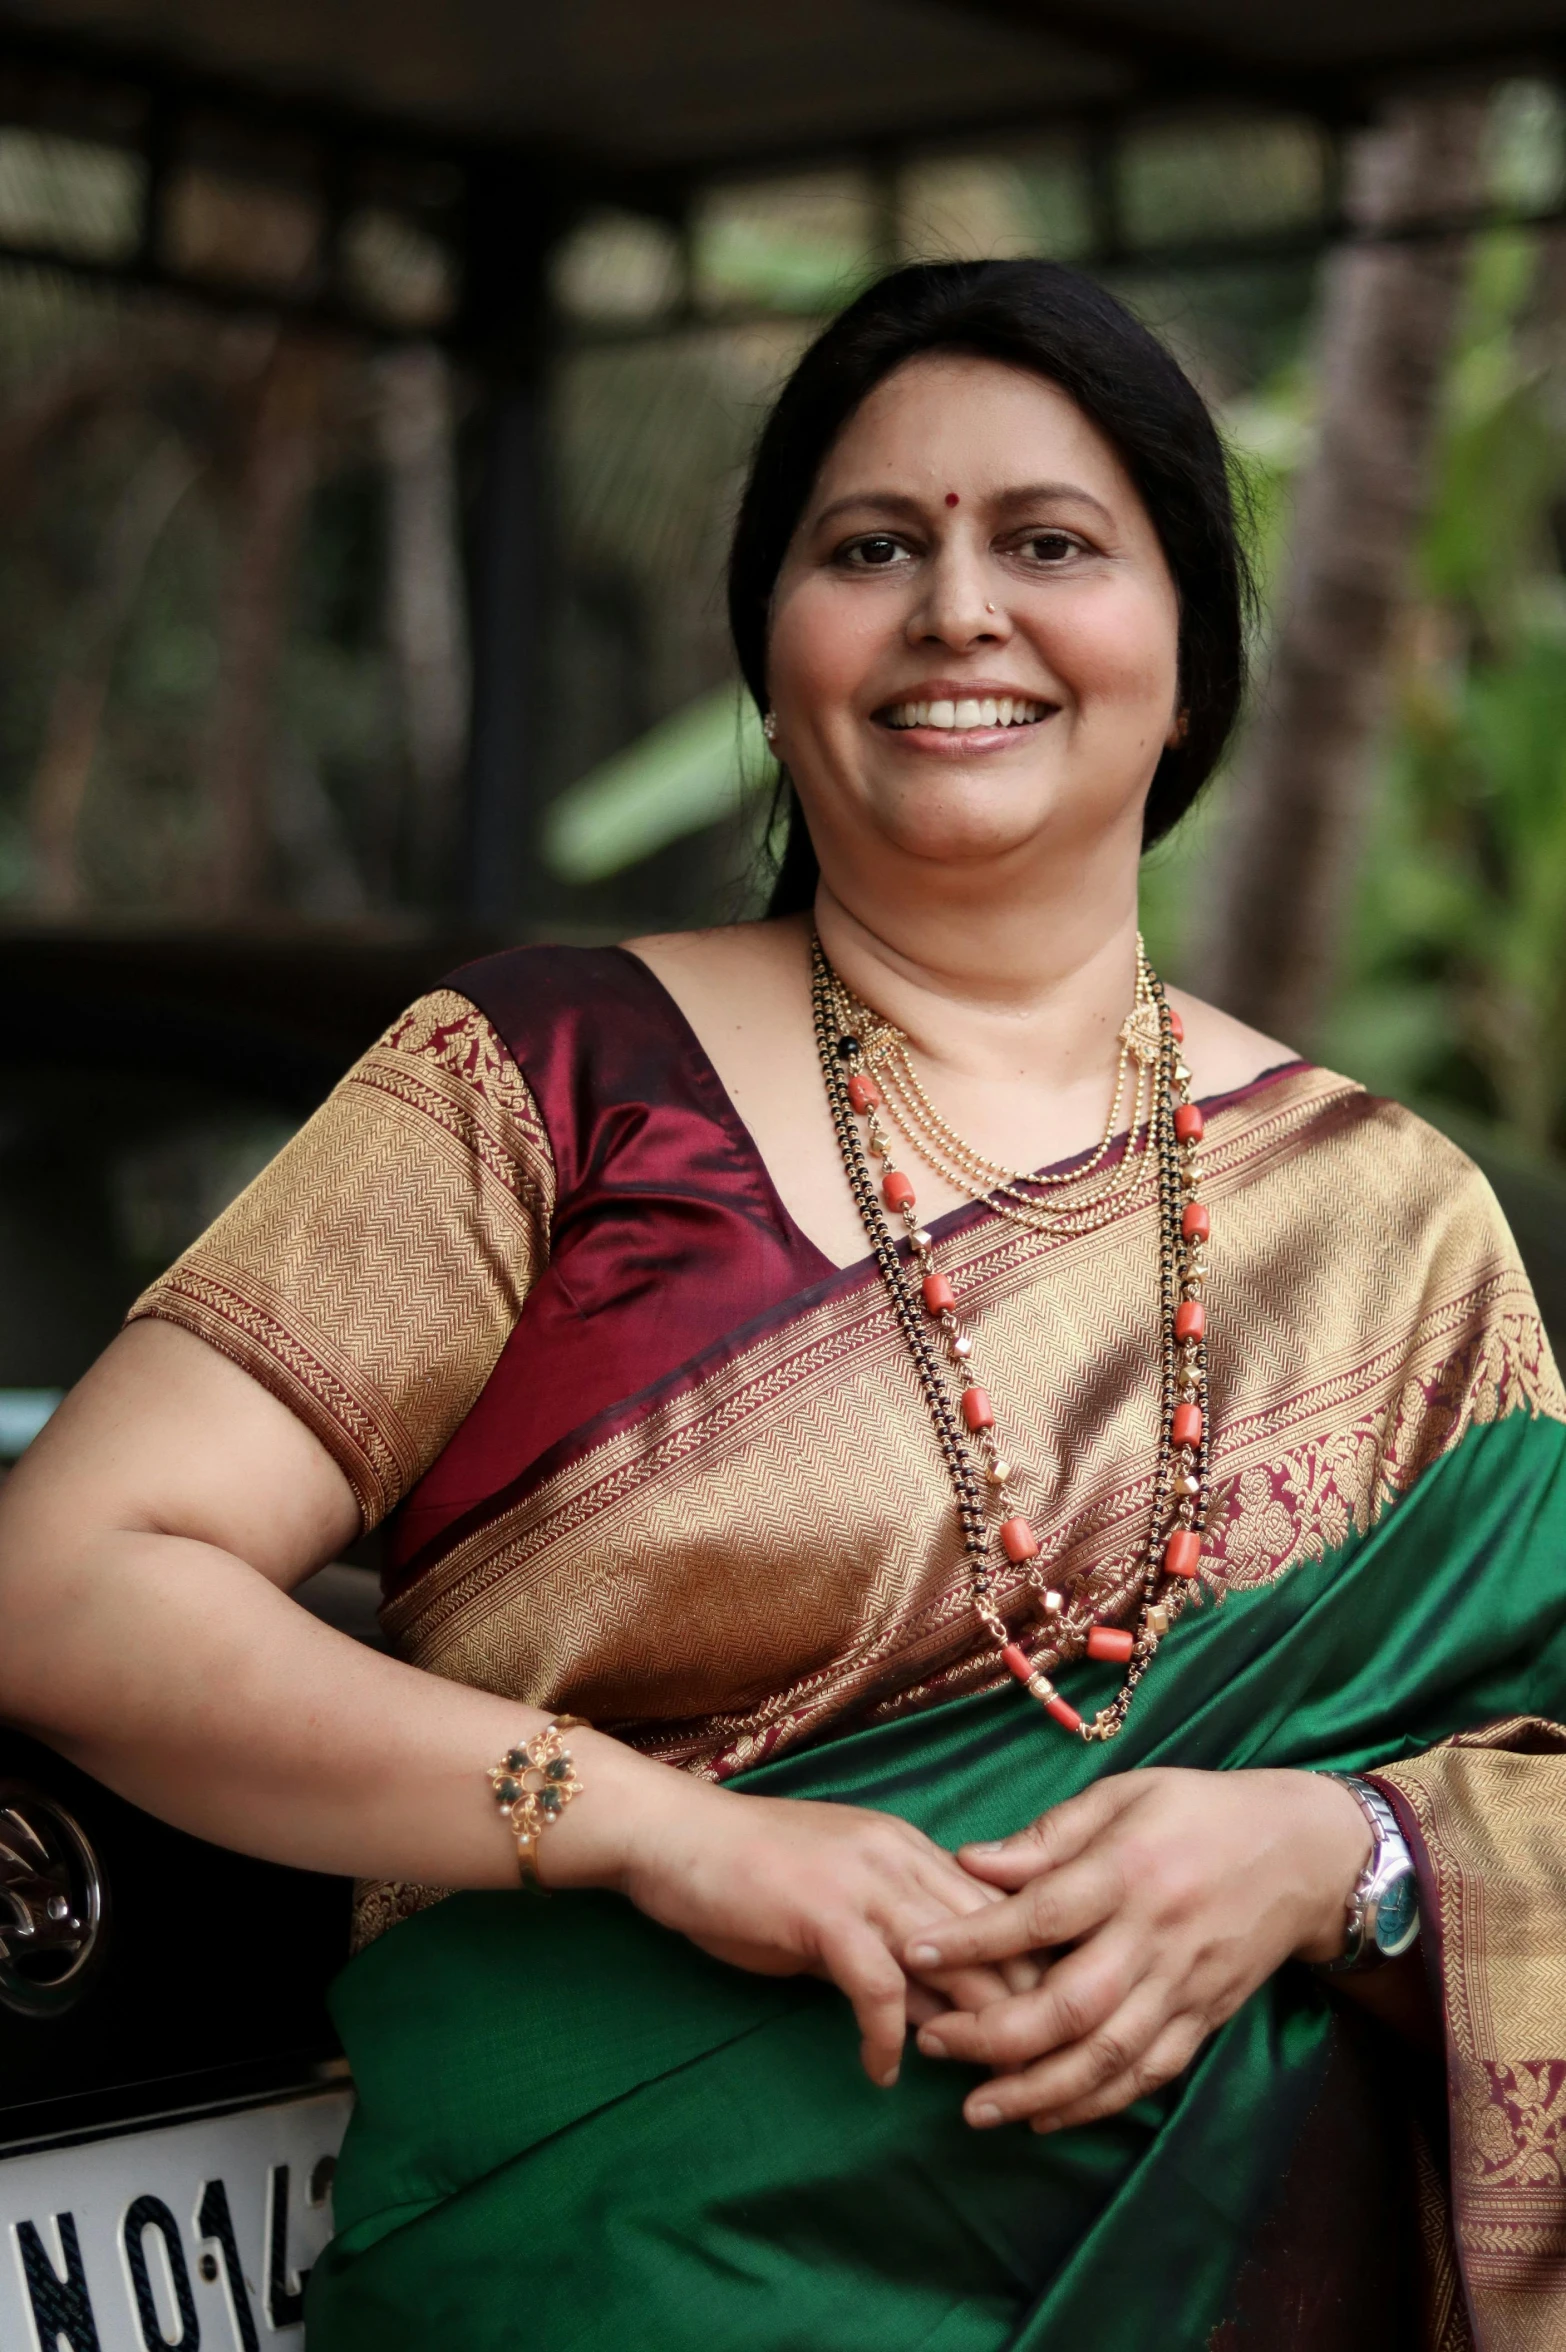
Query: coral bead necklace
x=868 y=1070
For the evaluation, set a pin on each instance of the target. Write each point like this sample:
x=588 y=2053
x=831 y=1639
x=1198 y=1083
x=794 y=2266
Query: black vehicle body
x=148 y=1979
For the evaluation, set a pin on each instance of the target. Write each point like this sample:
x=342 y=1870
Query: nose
x=958 y=605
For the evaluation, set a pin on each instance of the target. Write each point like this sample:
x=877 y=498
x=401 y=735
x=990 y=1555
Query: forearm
x=191 y=1684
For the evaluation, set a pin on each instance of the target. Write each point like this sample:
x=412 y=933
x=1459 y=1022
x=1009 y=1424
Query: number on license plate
x=200 y=2233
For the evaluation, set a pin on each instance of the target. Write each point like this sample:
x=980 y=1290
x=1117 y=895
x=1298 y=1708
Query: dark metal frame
x=146 y=103
x=504 y=213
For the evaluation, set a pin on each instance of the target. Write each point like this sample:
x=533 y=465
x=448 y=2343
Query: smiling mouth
x=957 y=718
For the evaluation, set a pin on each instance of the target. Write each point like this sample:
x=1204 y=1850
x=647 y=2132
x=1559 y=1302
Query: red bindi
x=951 y=498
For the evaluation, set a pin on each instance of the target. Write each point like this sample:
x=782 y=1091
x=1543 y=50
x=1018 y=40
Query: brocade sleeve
x=372 y=1274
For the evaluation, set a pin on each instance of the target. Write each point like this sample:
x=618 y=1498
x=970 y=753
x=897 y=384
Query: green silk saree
x=737 y=1550
x=683 y=2156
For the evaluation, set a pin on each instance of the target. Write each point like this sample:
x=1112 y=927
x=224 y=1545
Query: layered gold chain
x=1018 y=1193
x=925 y=1301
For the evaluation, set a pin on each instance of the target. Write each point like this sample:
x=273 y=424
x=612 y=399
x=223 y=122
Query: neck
x=1035 y=995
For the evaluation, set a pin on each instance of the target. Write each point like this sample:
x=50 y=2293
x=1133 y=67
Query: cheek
x=1119 y=653
x=822 y=646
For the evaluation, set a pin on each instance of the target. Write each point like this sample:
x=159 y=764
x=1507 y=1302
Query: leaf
x=688 y=772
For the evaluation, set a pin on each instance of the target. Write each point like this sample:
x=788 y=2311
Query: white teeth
x=1003 y=710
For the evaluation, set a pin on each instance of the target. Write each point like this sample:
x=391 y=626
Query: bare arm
x=148 y=1544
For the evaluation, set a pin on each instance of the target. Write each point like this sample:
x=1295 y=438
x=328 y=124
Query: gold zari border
x=1490 y=1811
x=771 y=1546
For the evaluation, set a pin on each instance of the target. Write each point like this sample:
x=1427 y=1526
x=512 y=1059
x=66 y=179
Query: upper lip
x=962 y=690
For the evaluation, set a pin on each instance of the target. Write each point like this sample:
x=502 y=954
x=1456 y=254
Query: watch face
x=1397 y=1915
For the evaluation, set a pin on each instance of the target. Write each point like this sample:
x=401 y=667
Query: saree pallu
x=655 y=1461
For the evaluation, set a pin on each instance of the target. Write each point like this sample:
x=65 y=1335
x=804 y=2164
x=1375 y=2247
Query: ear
x=1179 y=728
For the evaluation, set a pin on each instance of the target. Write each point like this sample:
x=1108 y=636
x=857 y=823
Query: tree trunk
x=58 y=789
x=1388 y=318
x=426 y=612
x=278 y=474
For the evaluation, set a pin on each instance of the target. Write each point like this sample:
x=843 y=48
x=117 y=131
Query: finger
x=1170 y=2054
x=938 y=1881
x=969 y=1988
x=941 y=1881
x=1054 y=1838
x=865 y=1971
x=1077 y=1998
x=904 y=1910
x=936 y=1887
x=1117 y=2046
x=1056 y=1909
x=924 y=2003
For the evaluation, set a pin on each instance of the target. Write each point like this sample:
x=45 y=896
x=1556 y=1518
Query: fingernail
x=987 y=1846
x=925 y=1956
x=984 y=2114
x=931 y=2043
x=888 y=2079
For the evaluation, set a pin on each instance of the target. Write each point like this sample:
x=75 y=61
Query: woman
x=571 y=1274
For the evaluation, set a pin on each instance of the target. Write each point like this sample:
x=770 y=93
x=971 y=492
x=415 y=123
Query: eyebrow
x=896 y=503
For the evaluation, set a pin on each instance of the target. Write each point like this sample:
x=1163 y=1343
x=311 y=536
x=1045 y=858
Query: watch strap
x=1362 y=1951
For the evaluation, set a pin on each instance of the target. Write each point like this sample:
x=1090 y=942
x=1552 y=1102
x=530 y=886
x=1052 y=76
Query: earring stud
x=769 y=726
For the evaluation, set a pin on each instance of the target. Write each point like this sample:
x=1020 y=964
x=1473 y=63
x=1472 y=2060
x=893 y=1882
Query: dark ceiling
x=623 y=84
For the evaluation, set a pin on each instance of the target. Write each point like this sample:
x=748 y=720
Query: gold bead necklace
x=864 y=1060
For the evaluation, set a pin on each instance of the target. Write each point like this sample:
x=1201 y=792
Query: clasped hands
x=1082 y=1961
x=1132 y=1921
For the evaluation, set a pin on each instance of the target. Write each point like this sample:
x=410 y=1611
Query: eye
x=873 y=553
x=1051 y=547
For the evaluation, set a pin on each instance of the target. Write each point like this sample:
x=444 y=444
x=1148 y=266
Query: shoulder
x=1225 y=1054
x=525 y=991
x=1400 y=1174
x=1364 y=1182
x=744 y=988
x=754 y=959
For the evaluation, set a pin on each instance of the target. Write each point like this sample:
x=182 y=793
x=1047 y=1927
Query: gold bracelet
x=533 y=1785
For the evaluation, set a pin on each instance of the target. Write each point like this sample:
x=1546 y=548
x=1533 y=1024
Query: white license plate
x=193 y=2234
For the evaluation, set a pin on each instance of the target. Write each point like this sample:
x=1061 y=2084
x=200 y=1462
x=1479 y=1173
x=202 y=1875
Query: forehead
x=952 y=420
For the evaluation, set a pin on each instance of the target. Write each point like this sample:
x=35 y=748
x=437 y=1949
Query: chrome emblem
x=52 y=1904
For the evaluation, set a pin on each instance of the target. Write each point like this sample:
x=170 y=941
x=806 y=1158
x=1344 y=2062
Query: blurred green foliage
x=1453 y=988
x=1452 y=984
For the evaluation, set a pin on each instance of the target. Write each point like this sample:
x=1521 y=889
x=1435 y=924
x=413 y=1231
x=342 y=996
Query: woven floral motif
x=445 y=1028
x=1488 y=1814
x=1313 y=1495
x=1514 y=2118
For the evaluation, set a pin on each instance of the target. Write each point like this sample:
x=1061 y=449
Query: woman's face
x=973 y=647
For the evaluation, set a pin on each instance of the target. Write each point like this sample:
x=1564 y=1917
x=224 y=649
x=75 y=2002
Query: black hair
x=1068 y=328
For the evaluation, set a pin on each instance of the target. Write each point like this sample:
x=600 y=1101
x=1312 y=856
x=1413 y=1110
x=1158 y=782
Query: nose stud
x=989 y=608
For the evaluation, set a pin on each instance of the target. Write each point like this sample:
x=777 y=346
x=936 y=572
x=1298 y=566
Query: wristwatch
x=1383 y=1910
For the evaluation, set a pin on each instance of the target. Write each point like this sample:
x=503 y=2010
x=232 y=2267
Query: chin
x=976 y=824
